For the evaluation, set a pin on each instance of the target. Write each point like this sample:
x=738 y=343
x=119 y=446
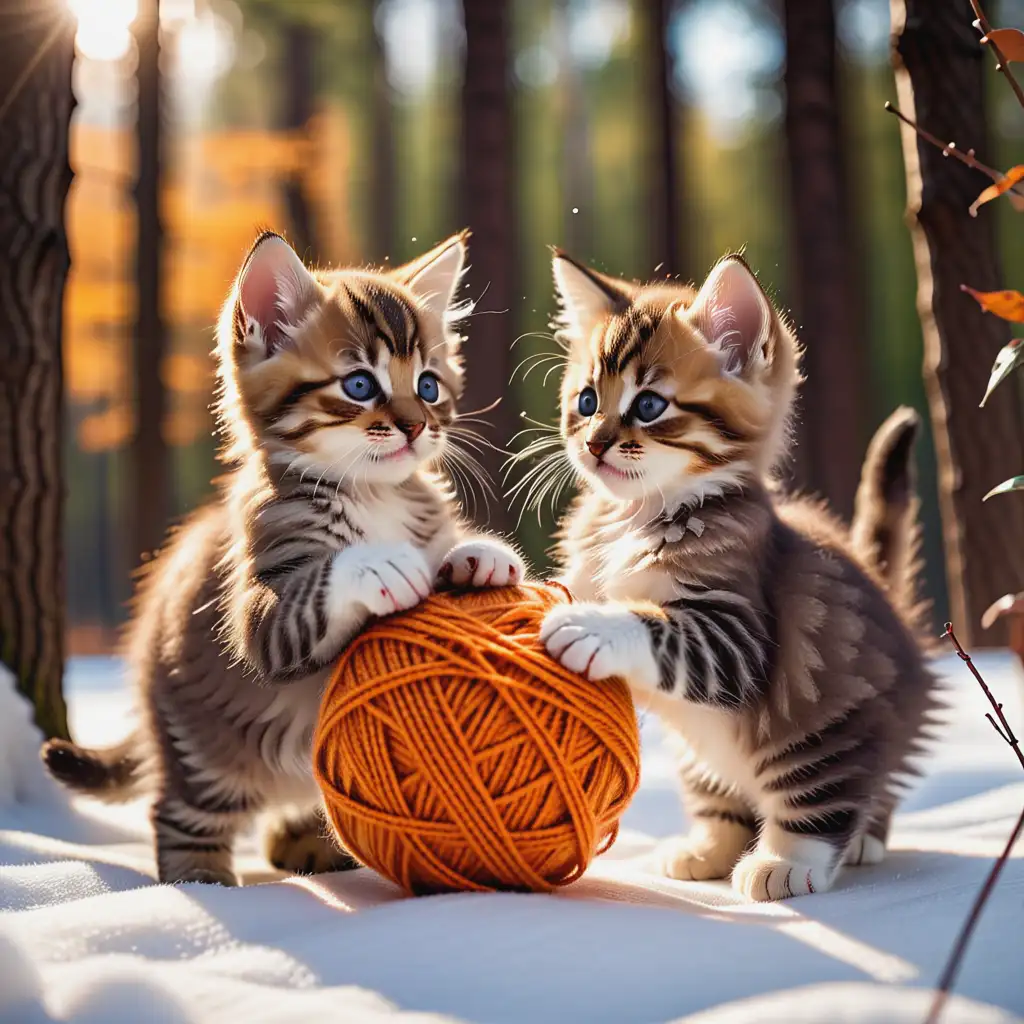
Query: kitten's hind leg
x=303 y=845
x=723 y=827
x=193 y=845
x=869 y=847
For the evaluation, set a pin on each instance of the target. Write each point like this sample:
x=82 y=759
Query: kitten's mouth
x=406 y=449
x=607 y=469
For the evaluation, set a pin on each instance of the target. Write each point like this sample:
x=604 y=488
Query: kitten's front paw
x=695 y=857
x=482 y=563
x=764 y=877
x=599 y=642
x=383 y=578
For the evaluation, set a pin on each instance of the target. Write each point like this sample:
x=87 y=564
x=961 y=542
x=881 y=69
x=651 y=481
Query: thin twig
x=1006 y=732
x=953 y=963
x=951 y=148
x=1002 y=64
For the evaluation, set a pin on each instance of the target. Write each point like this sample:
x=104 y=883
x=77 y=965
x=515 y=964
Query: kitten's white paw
x=864 y=850
x=600 y=641
x=763 y=877
x=695 y=857
x=383 y=578
x=482 y=563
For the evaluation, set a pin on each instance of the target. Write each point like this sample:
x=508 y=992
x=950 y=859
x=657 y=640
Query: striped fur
x=331 y=513
x=769 y=640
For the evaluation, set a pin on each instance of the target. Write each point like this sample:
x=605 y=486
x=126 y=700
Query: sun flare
x=104 y=27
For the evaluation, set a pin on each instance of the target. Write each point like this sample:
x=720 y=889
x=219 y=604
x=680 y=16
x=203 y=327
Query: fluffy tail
x=113 y=774
x=885 y=529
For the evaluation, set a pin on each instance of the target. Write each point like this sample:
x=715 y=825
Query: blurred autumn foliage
x=219 y=187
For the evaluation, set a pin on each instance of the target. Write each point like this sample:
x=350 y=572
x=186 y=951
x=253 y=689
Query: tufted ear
x=735 y=316
x=586 y=296
x=435 y=276
x=275 y=292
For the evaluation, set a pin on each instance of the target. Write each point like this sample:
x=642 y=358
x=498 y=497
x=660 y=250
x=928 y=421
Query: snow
x=87 y=936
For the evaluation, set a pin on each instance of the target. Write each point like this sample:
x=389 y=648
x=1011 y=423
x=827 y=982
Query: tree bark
x=488 y=161
x=940 y=83
x=36 y=102
x=382 y=236
x=664 y=188
x=299 y=107
x=149 y=455
x=826 y=293
x=577 y=158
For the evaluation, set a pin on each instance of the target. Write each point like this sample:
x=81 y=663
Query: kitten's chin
x=614 y=483
x=392 y=469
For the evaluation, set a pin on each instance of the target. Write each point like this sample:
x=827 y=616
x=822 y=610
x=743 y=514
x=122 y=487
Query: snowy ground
x=86 y=935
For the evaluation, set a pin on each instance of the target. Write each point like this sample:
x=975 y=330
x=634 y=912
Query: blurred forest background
x=644 y=136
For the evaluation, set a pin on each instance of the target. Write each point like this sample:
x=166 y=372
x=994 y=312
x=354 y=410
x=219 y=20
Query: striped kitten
x=757 y=627
x=338 y=393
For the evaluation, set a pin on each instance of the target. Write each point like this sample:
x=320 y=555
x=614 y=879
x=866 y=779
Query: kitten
x=761 y=631
x=338 y=394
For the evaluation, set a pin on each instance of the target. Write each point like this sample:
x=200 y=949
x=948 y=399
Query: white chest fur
x=707 y=739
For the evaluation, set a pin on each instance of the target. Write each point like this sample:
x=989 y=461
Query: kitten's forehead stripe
x=625 y=337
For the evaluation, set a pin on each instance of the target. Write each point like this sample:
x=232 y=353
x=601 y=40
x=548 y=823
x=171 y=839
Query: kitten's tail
x=113 y=774
x=885 y=529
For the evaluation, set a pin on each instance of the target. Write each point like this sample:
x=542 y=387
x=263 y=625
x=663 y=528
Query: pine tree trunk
x=382 y=234
x=149 y=455
x=299 y=106
x=35 y=114
x=828 y=302
x=488 y=162
x=577 y=158
x=664 y=186
x=940 y=83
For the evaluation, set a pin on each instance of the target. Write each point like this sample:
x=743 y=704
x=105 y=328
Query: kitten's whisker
x=484 y=408
x=541 y=486
x=537 y=423
x=534 y=448
x=545 y=453
x=550 y=370
x=465 y=433
x=542 y=335
x=535 y=360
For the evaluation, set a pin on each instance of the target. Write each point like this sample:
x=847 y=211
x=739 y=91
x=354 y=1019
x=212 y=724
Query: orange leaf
x=1008 y=305
x=1009 y=42
x=1006 y=182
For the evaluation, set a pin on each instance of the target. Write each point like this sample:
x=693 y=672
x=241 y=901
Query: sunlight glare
x=104 y=27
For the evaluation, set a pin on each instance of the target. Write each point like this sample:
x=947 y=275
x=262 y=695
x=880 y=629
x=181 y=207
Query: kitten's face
x=348 y=373
x=669 y=392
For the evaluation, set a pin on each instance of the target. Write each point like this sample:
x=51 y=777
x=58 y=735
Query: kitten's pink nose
x=597 y=448
x=411 y=430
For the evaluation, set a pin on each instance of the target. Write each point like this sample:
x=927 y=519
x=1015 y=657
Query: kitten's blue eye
x=428 y=388
x=588 y=402
x=361 y=386
x=649 y=406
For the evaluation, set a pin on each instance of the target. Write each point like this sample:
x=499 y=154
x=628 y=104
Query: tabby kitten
x=338 y=394
x=755 y=625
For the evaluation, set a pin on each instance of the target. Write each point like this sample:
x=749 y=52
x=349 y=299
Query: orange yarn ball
x=454 y=754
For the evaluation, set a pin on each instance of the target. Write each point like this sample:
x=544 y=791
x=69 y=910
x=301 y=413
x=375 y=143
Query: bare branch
x=956 y=956
x=1007 y=732
x=950 y=148
x=1002 y=64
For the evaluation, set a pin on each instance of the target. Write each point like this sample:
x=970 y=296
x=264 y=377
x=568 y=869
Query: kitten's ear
x=587 y=297
x=734 y=315
x=275 y=292
x=434 y=278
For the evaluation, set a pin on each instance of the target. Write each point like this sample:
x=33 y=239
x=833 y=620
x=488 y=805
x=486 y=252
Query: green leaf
x=1010 y=357
x=1015 y=483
